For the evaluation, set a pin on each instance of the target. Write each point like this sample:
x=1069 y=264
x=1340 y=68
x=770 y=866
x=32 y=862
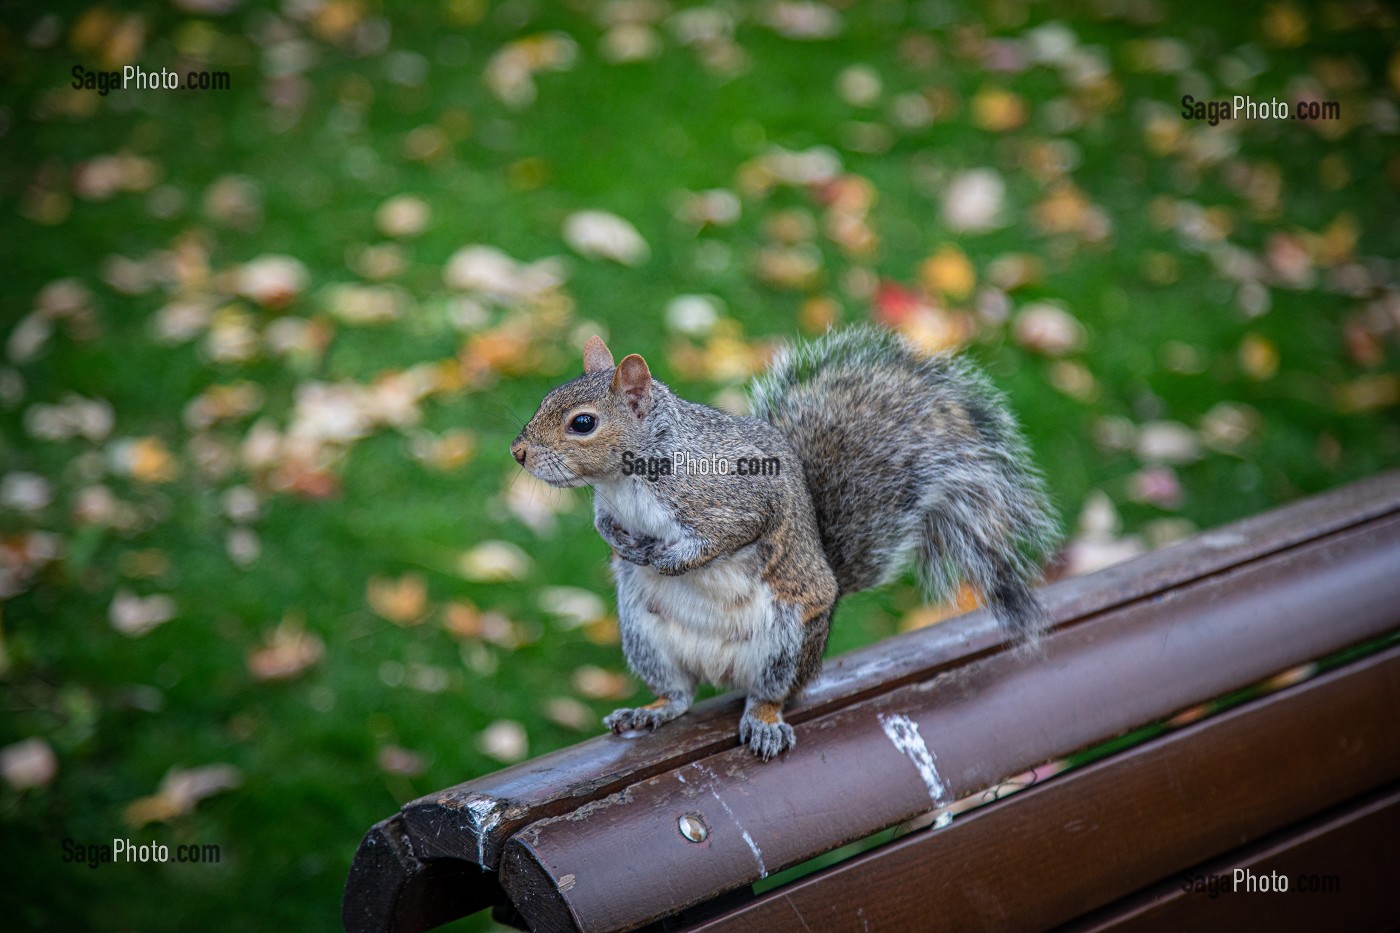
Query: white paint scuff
x=743 y=833
x=485 y=814
x=903 y=733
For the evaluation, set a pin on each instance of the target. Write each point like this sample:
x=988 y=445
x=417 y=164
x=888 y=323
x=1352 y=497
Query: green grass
x=121 y=712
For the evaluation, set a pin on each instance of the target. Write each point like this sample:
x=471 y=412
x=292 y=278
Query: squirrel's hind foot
x=763 y=730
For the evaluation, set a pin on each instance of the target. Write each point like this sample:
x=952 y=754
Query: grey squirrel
x=733 y=537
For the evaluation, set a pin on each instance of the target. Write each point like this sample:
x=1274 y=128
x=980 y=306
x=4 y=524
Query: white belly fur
x=717 y=622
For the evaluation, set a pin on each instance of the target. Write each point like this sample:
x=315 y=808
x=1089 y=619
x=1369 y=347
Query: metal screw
x=692 y=827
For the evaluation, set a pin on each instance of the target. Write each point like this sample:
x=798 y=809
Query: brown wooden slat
x=1088 y=837
x=982 y=723
x=1354 y=843
x=471 y=820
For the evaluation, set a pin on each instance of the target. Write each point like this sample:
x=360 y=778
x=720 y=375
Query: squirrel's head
x=583 y=427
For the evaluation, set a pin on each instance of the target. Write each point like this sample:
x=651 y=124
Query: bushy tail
x=911 y=454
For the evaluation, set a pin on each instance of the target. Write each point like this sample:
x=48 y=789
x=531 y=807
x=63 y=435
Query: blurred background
x=267 y=568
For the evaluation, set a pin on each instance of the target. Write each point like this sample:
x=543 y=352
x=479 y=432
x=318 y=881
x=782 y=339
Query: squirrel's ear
x=596 y=355
x=633 y=382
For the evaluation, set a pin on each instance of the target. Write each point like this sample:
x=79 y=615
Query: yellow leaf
x=150 y=461
x=998 y=110
x=1258 y=357
x=949 y=272
x=1285 y=25
x=1368 y=393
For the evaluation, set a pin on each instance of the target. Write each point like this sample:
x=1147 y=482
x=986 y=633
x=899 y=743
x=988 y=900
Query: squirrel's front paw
x=765 y=739
x=635 y=549
x=641 y=719
x=641 y=556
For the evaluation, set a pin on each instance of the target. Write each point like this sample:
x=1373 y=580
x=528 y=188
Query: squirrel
x=733 y=536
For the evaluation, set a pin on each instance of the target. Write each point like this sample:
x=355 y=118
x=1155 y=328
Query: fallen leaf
x=180 y=791
x=964 y=600
x=1229 y=425
x=402 y=601
x=1074 y=379
x=243 y=546
x=805 y=20
x=287 y=651
x=1157 y=486
x=73 y=416
x=273 y=281
x=973 y=201
x=25 y=492
x=1285 y=25
x=693 y=315
x=948 y=272
x=510 y=72
x=630 y=42
x=403 y=216
x=1048 y=329
x=504 y=740
x=600 y=235
x=859 y=85
x=393 y=759
x=494 y=275
x=28 y=763
x=1167 y=442
x=462 y=619
x=367 y=304
x=571 y=605
x=134 y=615
x=494 y=562
x=1258 y=357
x=998 y=110
x=598 y=684
x=536 y=503
x=1097 y=543
x=569 y=713
x=447 y=452
x=793 y=267
x=1368 y=394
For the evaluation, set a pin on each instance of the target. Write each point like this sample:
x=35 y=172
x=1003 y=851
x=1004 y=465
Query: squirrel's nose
x=517 y=450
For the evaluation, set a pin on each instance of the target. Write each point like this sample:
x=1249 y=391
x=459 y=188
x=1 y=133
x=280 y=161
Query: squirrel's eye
x=583 y=424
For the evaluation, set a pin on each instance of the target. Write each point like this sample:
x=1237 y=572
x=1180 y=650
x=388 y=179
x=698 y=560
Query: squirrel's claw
x=632 y=555
x=641 y=719
x=766 y=739
x=635 y=549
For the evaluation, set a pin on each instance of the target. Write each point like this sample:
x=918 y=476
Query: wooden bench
x=1294 y=615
